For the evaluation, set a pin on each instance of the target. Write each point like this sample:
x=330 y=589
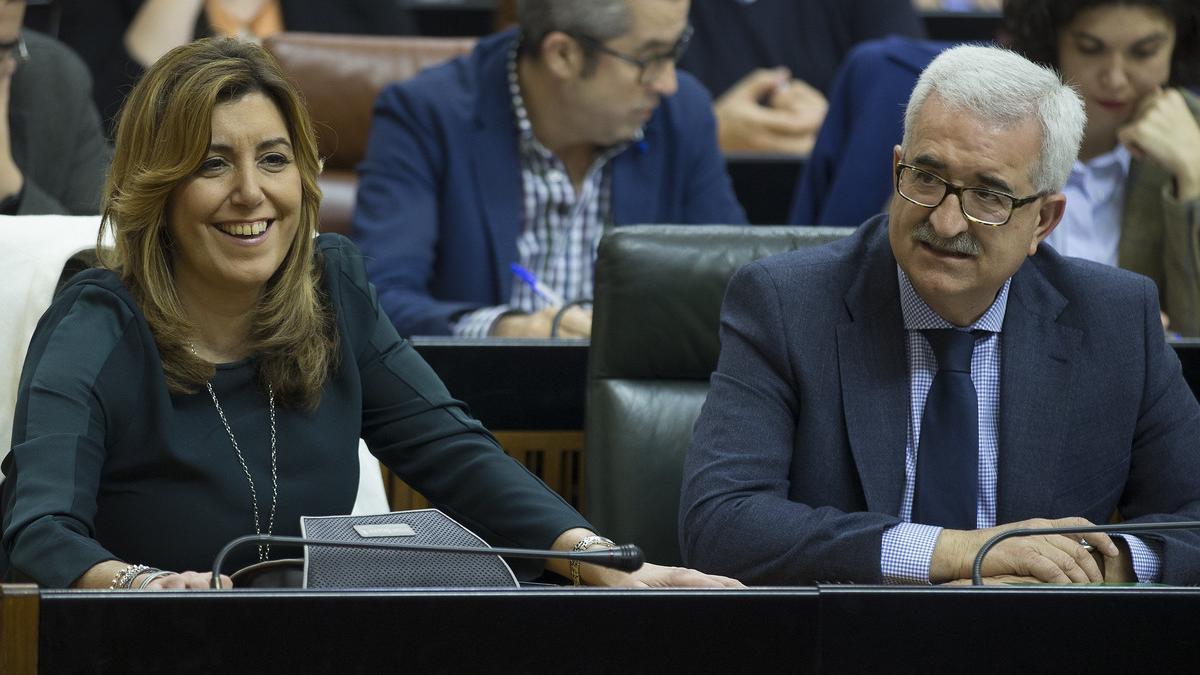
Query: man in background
x=525 y=152
x=884 y=405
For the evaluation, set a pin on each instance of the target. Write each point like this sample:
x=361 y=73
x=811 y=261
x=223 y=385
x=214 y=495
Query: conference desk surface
x=834 y=629
x=539 y=384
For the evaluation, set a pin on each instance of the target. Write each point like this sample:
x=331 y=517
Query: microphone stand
x=1128 y=528
x=626 y=557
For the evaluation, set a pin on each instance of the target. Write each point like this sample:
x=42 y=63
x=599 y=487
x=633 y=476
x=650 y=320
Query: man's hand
x=576 y=322
x=767 y=111
x=1048 y=558
x=1000 y=580
x=11 y=179
x=1164 y=130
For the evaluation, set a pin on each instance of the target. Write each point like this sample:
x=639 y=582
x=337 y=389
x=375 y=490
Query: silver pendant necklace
x=263 y=551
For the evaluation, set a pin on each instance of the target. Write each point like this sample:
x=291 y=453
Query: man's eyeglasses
x=979 y=205
x=16 y=49
x=650 y=68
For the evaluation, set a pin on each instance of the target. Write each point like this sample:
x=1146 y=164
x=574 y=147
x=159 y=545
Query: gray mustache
x=963 y=243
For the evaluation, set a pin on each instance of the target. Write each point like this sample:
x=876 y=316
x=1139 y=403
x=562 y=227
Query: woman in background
x=1133 y=199
x=215 y=377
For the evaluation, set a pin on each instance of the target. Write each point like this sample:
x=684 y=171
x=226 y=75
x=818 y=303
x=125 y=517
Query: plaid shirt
x=561 y=227
x=907 y=548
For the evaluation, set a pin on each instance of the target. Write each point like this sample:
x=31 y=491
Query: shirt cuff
x=479 y=323
x=1147 y=558
x=906 y=551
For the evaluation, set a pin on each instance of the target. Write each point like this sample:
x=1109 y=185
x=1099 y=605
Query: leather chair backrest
x=340 y=76
x=654 y=345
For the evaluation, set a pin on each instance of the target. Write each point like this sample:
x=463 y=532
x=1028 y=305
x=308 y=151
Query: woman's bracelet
x=127 y=574
x=583 y=545
x=152 y=576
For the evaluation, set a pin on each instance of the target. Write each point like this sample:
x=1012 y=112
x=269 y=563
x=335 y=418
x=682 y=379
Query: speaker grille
x=336 y=567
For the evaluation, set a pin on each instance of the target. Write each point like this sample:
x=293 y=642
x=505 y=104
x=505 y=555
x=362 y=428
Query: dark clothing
x=796 y=466
x=810 y=37
x=57 y=142
x=848 y=177
x=96 y=30
x=108 y=464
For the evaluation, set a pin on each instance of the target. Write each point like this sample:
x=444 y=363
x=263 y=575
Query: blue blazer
x=796 y=465
x=439 y=205
x=848 y=177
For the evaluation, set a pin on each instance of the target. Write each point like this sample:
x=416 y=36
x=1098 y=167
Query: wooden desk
x=836 y=629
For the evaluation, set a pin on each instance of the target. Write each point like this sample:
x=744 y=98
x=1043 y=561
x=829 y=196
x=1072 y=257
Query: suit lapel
x=1037 y=359
x=637 y=172
x=495 y=164
x=874 y=377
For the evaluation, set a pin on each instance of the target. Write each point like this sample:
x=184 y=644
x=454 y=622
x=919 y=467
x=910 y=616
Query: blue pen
x=536 y=286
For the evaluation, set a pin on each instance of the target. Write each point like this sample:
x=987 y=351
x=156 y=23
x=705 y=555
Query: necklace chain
x=263 y=551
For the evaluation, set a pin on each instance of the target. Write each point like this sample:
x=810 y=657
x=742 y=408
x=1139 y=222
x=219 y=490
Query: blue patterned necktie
x=948 y=455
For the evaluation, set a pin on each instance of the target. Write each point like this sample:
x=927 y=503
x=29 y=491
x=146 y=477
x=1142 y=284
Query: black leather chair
x=654 y=344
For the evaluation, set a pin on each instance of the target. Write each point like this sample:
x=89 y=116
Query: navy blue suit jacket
x=439 y=206
x=848 y=176
x=796 y=466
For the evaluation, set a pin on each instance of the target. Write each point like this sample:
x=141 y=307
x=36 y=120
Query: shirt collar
x=919 y=316
x=1116 y=161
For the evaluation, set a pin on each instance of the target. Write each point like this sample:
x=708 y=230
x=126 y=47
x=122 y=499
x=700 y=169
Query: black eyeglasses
x=650 y=68
x=979 y=205
x=17 y=49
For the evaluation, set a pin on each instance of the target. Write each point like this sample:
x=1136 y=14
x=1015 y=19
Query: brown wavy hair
x=163 y=134
x=1032 y=29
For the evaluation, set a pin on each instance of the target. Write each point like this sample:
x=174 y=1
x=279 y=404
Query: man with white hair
x=885 y=404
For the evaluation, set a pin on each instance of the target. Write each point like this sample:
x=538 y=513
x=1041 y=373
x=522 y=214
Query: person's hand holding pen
x=574 y=322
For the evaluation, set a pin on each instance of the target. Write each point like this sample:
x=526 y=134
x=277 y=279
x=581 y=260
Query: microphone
x=1127 y=528
x=626 y=557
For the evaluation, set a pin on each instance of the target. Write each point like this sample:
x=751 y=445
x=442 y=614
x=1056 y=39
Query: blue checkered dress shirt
x=561 y=227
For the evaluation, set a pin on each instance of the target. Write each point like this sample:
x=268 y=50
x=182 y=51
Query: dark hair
x=601 y=20
x=1032 y=28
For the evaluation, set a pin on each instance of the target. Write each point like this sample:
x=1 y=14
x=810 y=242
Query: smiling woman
x=234 y=220
x=215 y=377
x=210 y=297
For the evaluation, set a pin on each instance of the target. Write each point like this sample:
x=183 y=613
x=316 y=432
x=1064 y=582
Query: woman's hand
x=658 y=576
x=1164 y=130
x=647 y=576
x=183 y=580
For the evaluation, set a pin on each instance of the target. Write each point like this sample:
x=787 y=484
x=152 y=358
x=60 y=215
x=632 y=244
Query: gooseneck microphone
x=626 y=557
x=1124 y=528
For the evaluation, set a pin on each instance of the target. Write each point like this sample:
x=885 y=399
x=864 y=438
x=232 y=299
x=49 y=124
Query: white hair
x=1005 y=88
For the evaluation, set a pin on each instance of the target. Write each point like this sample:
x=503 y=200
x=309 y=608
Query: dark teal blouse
x=106 y=463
